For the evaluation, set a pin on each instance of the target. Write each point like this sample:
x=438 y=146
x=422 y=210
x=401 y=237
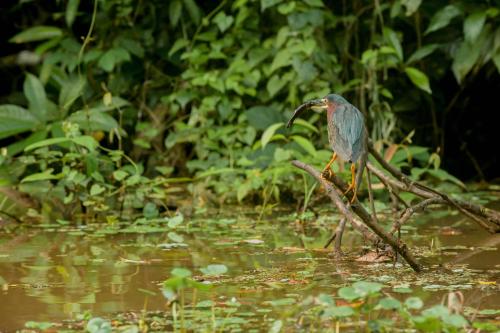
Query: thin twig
x=413 y=209
x=410 y=187
x=338 y=240
x=477 y=213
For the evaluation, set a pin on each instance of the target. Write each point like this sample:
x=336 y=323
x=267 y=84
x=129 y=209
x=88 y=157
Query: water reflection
x=53 y=276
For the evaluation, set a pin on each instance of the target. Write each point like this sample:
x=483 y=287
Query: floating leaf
x=214 y=270
x=414 y=303
x=175 y=237
x=338 y=312
x=98 y=325
x=175 y=221
x=181 y=272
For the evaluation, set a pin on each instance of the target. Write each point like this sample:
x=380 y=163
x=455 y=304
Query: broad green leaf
x=419 y=79
x=264 y=4
x=214 y=270
x=306 y=124
x=36 y=33
x=193 y=10
x=86 y=141
x=269 y=132
x=120 y=175
x=174 y=12
x=71 y=11
x=422 y=52
x=261 y=117
x=113 y=57
x=181 y=272
x=275 y=84
x=368 y=55
x=70 y=91
x=411 y=6
x=464 y=60
x=35 y=94
x=179 y=44
x=45 y=175
x=223 y=21
x=47 y=142
x=393 y=40
x=442 y=18
x=243 y=190
x=473 y=25
x=305 y=144
x=96 y=189
x=282 y=58
x=19 y=146
x=14 y=119
x=93 y=120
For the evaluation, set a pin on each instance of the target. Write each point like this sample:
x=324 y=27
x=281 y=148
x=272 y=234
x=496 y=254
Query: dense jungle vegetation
x=112 y=104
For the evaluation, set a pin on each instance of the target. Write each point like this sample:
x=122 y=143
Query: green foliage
x=201 y=89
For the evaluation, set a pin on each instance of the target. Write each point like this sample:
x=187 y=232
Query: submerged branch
x=366 y=218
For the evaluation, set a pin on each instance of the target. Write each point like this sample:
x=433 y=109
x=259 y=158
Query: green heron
x=346 y=132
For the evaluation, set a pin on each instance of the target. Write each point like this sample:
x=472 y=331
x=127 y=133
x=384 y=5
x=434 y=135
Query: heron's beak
x=315 y=104
x=319 y=104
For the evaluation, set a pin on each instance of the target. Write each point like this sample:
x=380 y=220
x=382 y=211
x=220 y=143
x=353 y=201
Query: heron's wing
x=350 y=124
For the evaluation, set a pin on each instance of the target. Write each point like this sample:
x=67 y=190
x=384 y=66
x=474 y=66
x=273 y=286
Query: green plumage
x=346 y=129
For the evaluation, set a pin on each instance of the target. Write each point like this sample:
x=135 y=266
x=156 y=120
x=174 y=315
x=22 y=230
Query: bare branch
x=397 y=246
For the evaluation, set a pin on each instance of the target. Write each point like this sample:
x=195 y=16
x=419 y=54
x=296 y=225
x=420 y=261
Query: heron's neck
x=329 y=112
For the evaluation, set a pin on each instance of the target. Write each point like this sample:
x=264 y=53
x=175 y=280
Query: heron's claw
x=352 y=187
x=327 y=173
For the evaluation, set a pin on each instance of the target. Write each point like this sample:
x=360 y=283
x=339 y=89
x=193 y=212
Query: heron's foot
x=327 y=173
x=352 y=187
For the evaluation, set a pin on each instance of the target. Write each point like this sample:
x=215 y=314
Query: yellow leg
x=352 y=185
x=328 y=170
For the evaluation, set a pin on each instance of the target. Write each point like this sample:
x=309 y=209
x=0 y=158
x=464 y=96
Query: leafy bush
x=202 y=88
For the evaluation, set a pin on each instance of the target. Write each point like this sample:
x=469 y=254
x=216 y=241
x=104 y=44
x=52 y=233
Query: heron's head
x=328 y=101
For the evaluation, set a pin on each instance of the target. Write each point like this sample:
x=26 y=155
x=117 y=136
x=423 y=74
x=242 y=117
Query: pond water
x=56 y=273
